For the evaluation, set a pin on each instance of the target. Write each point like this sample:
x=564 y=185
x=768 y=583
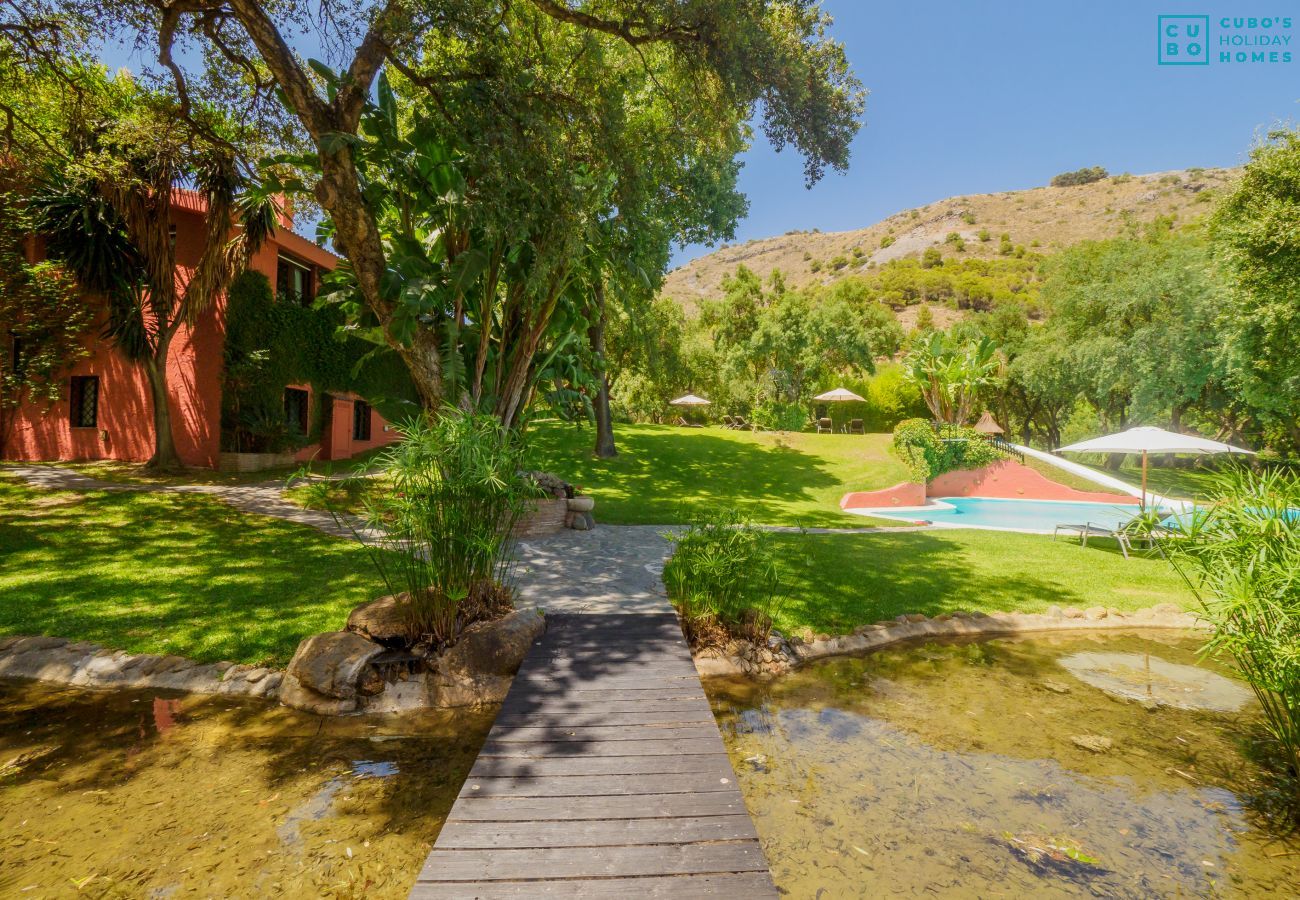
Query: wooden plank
x=599 y=748
x=508 y=864
x=688 y=763
x=681 y=887
x=588 y=719
x=599 y=833
x=598 y=785
x=522 y=705
x=568 y=809
x=570 y=733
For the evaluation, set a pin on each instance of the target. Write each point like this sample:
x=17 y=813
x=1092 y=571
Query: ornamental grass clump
x=1240 y=554
x=724 y=580
x=452 y=491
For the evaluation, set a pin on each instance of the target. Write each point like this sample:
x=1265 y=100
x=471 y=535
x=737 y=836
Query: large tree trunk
x=165 y=458
x=605 y=448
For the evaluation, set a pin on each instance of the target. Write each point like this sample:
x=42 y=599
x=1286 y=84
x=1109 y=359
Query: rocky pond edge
x=783 y=654
x=84 y=664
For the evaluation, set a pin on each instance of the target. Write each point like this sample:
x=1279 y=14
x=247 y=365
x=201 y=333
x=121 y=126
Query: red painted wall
x=1010 y=480
x=125 y=419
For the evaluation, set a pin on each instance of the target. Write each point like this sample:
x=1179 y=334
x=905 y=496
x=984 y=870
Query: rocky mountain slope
x=1041 y=220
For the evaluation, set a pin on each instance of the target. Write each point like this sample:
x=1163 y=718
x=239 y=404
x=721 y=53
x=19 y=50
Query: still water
x=142 y=794
x=1070 y=767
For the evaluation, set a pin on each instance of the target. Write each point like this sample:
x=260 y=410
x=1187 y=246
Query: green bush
x=931 y=258
x=838 y=262
x=1240 y=554
x=815 y=265
x=724 y=580
x=886 y=241
x=1080 y=176
x=776 y=416
x=928 y=455
x=968 y=217
x=985 y=236
x=956 y=240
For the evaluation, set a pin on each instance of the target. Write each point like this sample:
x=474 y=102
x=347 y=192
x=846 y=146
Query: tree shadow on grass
x=657 y=477
x=837 y=582
x=185 y=575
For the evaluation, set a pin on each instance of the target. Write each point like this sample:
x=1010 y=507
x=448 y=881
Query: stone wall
x=82 y=664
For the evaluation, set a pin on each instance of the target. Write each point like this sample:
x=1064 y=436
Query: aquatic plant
x=723 y=578
x=453 y=491
x=1240 y=554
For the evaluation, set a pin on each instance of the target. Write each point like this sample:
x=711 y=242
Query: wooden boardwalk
x=603 y=776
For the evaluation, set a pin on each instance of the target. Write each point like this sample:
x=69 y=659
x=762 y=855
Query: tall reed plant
x=723 y=578
x=439 y=517
x=1240 y=554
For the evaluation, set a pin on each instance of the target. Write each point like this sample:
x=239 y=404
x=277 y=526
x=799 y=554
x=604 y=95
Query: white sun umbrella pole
x=1145 y=440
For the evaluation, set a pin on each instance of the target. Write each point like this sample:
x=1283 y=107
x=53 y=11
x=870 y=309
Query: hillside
x=1041 y=220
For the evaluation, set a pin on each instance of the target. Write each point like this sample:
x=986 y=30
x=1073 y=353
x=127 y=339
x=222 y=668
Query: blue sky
x=991 y=96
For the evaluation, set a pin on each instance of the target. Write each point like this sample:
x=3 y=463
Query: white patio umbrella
x=1148 y=439
x=688 y=400
x=839 y=395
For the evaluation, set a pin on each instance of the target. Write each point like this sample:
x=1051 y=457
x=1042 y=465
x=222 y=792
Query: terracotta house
x=106 y=412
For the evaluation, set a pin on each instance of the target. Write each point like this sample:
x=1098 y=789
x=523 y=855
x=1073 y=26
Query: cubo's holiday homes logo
x=1236 y=40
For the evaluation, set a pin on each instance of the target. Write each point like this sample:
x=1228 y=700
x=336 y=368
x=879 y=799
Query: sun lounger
x=728 y=422
x=739 y=423
x=1087 y=530
x=824 y=426
x=856 y=427
x=682 y=423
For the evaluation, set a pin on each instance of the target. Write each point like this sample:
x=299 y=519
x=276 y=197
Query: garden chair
x=740 y=424
x=856 y=427
x=824 y=426
x=682 y=423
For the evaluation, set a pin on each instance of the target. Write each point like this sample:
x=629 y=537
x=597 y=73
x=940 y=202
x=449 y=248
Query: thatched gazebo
x=987 y=425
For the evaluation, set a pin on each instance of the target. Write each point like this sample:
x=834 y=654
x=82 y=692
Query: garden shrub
x=887 y=240
x=455 y=487
x=931 y=258
x=928 y=455
x=776 y=416
x=723 y=578
x=1240 y=553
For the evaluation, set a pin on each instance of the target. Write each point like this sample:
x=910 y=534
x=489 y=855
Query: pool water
x=1008 y=768
x=150 y=794
x=1011 y=515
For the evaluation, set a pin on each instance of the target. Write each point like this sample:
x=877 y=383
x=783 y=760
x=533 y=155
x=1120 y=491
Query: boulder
x=332 y=664
x=494 y=648
x=481 y=665
x=384 y=621
x=294 y=695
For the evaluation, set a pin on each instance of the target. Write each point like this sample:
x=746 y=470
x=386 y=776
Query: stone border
x=86 y=665
x=781 y=655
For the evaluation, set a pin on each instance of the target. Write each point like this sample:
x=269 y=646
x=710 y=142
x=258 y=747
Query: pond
x=1052 y=767
x=148 y=794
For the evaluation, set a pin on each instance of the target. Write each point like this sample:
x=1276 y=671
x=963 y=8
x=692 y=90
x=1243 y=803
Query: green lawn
x=664 y=474
x=166 y=573
x=836 y=582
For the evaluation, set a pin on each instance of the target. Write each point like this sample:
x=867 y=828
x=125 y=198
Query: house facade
x=106 y=411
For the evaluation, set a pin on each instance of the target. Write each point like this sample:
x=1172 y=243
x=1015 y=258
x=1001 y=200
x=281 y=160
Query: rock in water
x=325 y=672
x=1093 y=742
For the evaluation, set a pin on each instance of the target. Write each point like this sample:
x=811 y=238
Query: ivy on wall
x=274 y=342
x=928 y=455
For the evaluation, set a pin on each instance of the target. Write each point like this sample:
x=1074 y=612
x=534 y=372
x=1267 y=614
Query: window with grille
x=83 y=401
x=294 y=281
x=296 y=403
x=360 y=420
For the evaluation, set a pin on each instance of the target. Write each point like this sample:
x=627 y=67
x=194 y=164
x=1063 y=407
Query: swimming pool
x=1040 y=516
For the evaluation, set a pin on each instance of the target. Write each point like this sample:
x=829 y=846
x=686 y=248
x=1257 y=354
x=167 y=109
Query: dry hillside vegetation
x=1040 y=220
